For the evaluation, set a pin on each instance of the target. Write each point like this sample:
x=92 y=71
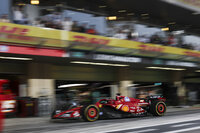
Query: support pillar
x=181 y=92
x=114 y=90
x=41 y=87
x=40 y=82
x=124 y=88
x=125 y=81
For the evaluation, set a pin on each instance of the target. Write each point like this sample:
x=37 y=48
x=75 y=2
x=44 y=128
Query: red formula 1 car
x=110 y=108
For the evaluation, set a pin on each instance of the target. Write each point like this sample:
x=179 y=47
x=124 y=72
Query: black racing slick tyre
x=52 y=114
x=90 y=113
x=158 y=108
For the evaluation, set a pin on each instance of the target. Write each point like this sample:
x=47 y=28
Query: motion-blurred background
x=53 y=52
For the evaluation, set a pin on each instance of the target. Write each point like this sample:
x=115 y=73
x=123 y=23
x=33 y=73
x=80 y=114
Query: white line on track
x=113 y=127
x=183 y=130
x=142 y=131
x=182 y=125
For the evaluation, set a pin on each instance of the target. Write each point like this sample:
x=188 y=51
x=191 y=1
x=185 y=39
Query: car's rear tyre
x=90 y=113
x=158 y=108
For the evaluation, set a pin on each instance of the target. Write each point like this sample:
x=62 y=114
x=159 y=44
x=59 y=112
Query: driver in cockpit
x=119 y=97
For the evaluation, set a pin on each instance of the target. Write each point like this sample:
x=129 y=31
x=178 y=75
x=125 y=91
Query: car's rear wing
x=156 y=97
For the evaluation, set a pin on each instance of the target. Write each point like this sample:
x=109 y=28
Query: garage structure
x=41 y=76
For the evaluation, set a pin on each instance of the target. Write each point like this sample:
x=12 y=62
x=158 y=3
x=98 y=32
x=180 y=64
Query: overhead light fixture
x=121 y=11
x=195 y=13
x=21 y=4
x=35 y=2
x=111 y=18
x=130 y=14
x=15 y=58
x=171 y=23
x=157 y=84
x=145 y=17
x=167 y=68
x=71 y=85
x=59 y=4
x=80 y=9
x=145 y=14
x=100 y=64
x=178 y=32
x=197 y=71
x=121 y=18
x=165 y=29
x=102 y=6
x=132 y=85
x=51 y=9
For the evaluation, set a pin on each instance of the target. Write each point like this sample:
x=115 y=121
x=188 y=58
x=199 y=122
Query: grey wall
x=32 y=12
x=5 y=6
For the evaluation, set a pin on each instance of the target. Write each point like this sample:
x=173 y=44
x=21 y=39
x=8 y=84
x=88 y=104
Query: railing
x=13 y=34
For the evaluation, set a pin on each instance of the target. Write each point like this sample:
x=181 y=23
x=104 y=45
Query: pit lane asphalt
x=166 y=128
x=68 y=125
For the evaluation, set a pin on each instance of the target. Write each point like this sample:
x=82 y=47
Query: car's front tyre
x=90 y=113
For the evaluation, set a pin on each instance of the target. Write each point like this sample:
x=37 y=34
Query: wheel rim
x=161 y=108
x=92 y=112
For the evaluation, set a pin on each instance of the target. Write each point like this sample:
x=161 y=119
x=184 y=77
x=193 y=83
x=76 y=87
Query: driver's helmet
x=118 y=96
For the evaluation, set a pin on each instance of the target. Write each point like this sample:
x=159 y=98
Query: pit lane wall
x=33 y=36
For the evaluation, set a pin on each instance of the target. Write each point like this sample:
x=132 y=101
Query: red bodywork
x=71 y=113
x=122 y=104
x=7 y=102
x=125 y=104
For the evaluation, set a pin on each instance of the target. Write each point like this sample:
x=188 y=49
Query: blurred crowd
x=4 y=18
x=55 y=20
x=169 y=39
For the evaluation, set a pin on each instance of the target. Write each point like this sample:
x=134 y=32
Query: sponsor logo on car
x=125 y=108
x=119 y=106
x=76 y=114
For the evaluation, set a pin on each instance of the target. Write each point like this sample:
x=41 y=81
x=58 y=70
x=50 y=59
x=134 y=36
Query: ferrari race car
x=110 y=108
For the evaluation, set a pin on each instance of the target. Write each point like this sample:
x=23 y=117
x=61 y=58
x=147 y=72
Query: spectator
x=58 y=25
x=18 y=15
x=56 y=17
x=67 y=24
x=83 y=28
x=75 y=27
x=53 y=20
x=156 y=39
x=171 y=40
x=120 y=35
x=143 y=39
x=4 y=18
x=126 y=29
x=92 y=30
x=129 y=36
x=38 y=23
x=49 y=24
x=25 y=20
x=49 y=17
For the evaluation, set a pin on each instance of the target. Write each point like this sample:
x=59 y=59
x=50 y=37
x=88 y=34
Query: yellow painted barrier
x=29 y=35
